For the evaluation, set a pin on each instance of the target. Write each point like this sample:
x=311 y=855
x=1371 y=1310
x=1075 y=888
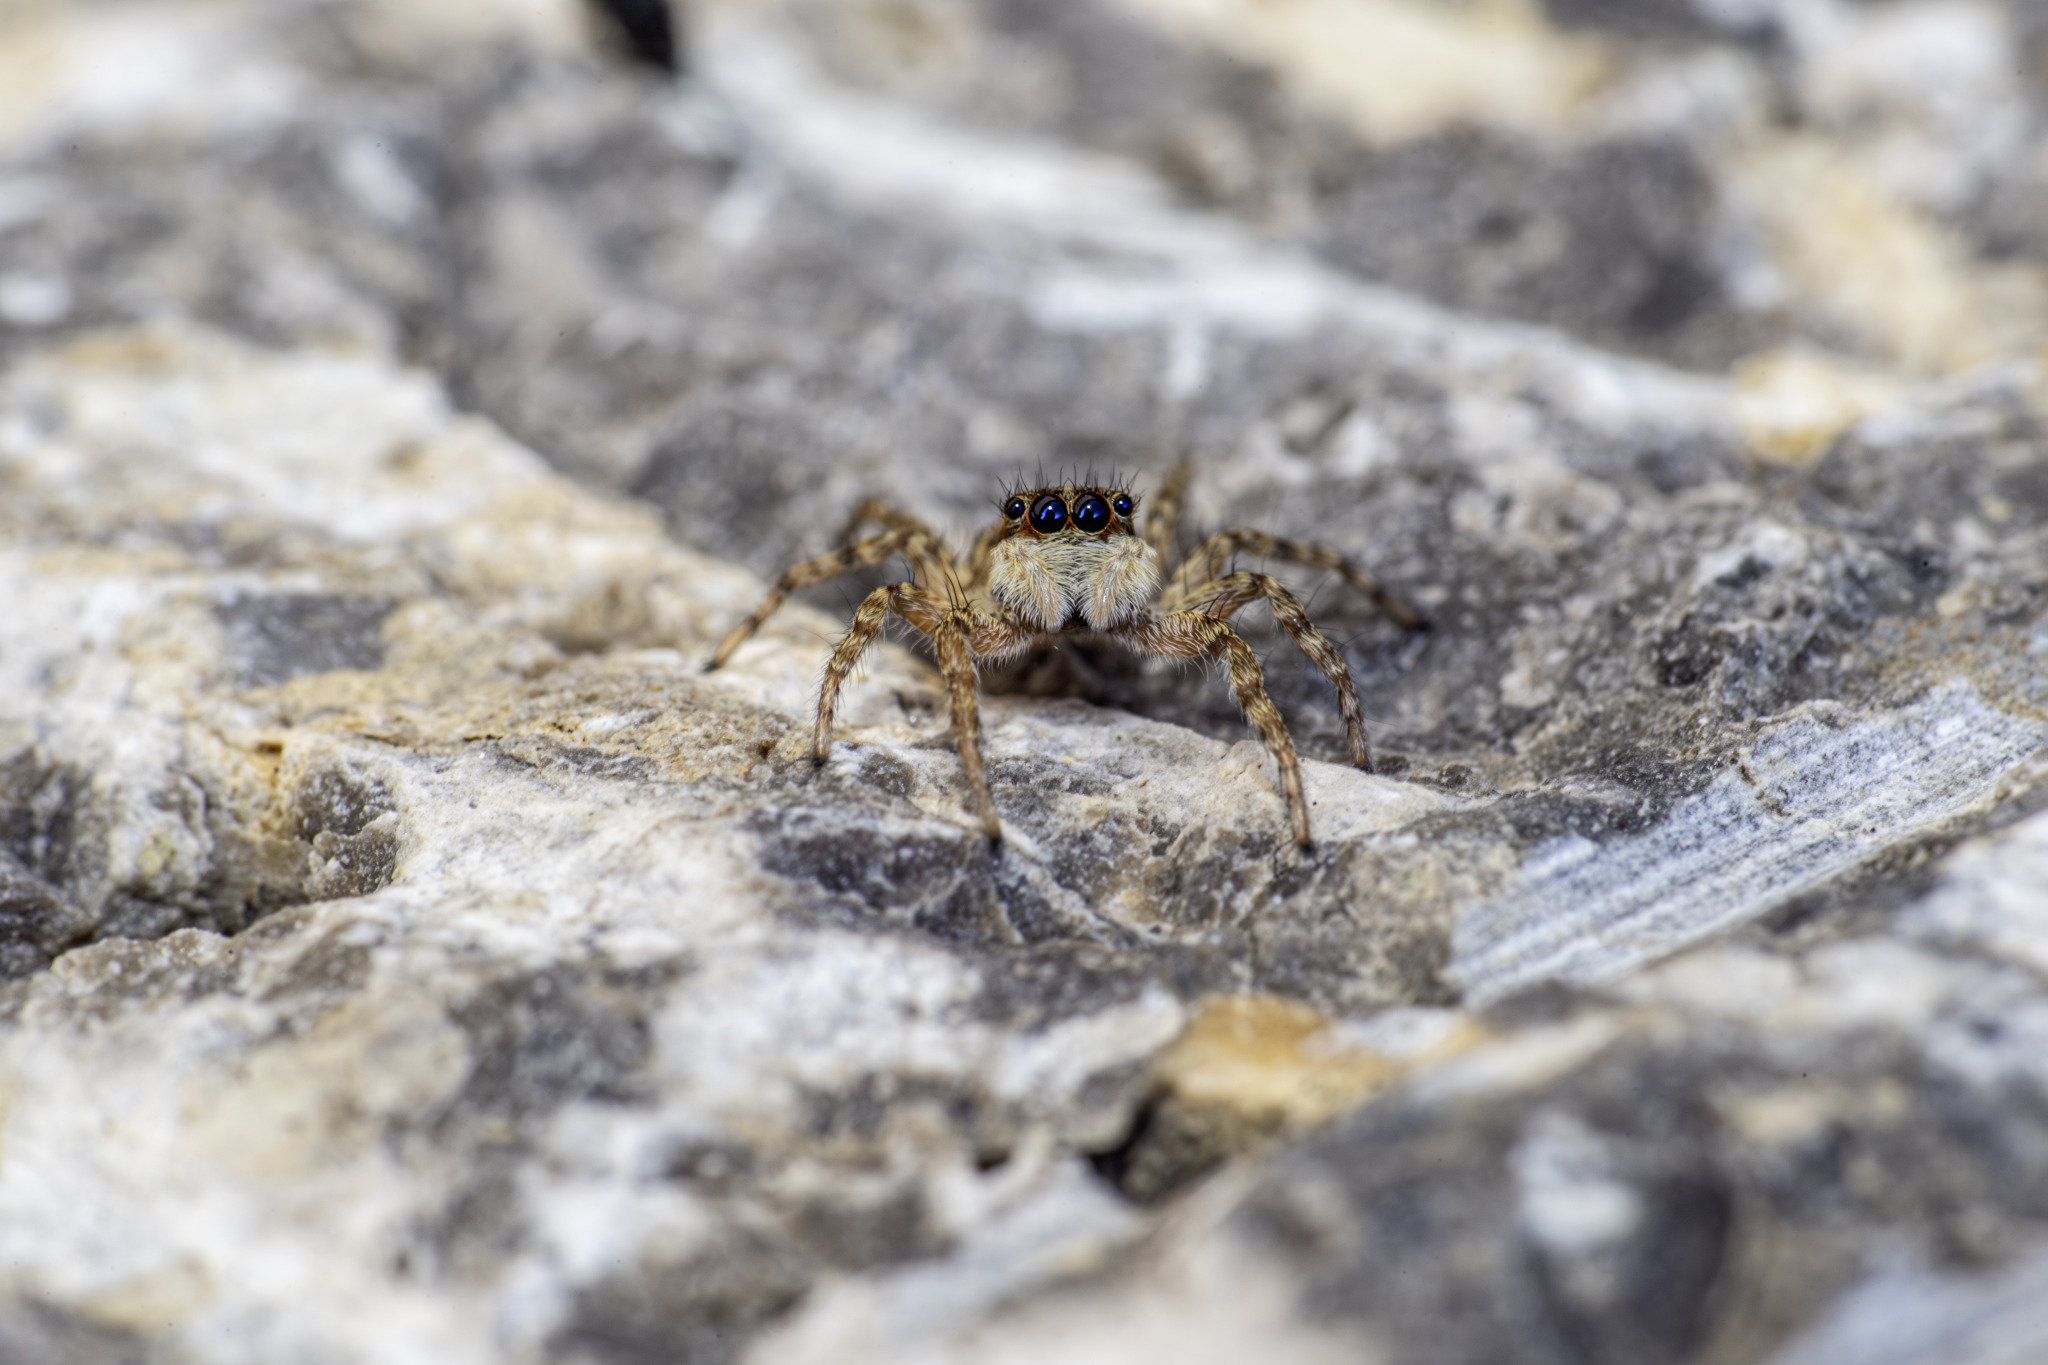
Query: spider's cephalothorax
x=1073 y=560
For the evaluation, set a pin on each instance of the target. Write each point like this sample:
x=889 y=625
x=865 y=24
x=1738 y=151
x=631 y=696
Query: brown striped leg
x=1191 y=634
x=1212 y=557
x=977 y=558
x=1162 y=518
x=1226 y=595
x=956 y=663
x=888 y=517
x=922 y=609
x=955 y=632
x=928 y=562
x=949 y=577
x=996 y=636
x=882 y=513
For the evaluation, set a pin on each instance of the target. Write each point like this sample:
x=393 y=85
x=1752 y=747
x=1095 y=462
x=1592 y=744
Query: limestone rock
x=411 y=954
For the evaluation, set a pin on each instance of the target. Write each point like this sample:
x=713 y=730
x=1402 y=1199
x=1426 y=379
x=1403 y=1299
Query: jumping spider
x=1070 y=562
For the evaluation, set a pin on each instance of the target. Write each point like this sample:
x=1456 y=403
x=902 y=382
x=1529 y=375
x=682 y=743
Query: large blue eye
x=1091 y=514
x=1048 y=514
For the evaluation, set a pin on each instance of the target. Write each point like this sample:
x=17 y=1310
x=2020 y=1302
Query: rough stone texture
x=410 y=955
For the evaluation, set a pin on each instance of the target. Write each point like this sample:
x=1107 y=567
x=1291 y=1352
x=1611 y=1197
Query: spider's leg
x=954 y=631
x=920 y=547
x=924 y=610
x=1162 y=518
x=883 y=514
x=925 y=550
x=1191 y=634
x=956 y=662
x=1212 y=557
x=931 y=560
x=977 y=557
x=996 y=636
x=1223 y=598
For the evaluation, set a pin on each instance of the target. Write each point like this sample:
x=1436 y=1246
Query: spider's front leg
x=1225 y=596
x=926 y=553
x=1194 y=634
x=958 y=634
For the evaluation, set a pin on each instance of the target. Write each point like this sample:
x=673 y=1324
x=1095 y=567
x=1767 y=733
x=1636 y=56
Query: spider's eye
x=1091 y=514
x=1048 y=514
x=1014 y=508
x=1123 y=504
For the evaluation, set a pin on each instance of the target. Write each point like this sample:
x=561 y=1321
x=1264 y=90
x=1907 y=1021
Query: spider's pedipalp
x=1126 y=578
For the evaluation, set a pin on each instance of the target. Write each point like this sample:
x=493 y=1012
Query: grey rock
x=411 y=954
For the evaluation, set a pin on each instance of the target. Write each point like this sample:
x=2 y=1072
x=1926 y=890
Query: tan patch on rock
x=1397 y=69
x=308 y=1103
x=157 y=1301
x=1890 y=274
x=1793 y=403
x=1252 y=1069
x=1278 y=1062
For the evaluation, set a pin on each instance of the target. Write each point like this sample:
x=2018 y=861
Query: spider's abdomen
x=1074 y=580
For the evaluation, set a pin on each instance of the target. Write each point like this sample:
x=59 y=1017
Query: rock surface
x=411 y=955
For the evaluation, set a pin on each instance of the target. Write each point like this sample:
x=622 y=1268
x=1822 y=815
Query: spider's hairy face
x=1071 y=558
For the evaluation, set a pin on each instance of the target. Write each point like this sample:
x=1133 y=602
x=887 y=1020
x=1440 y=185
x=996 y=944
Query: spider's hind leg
x=1209 y=560
x=885 y=515
x=1162 y=518
x=1225 y=596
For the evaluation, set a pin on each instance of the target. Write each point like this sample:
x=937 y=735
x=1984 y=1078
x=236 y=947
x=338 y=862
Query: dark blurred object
x=646 y=31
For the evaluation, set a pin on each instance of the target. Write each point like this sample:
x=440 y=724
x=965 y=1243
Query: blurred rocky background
x=410 y=955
